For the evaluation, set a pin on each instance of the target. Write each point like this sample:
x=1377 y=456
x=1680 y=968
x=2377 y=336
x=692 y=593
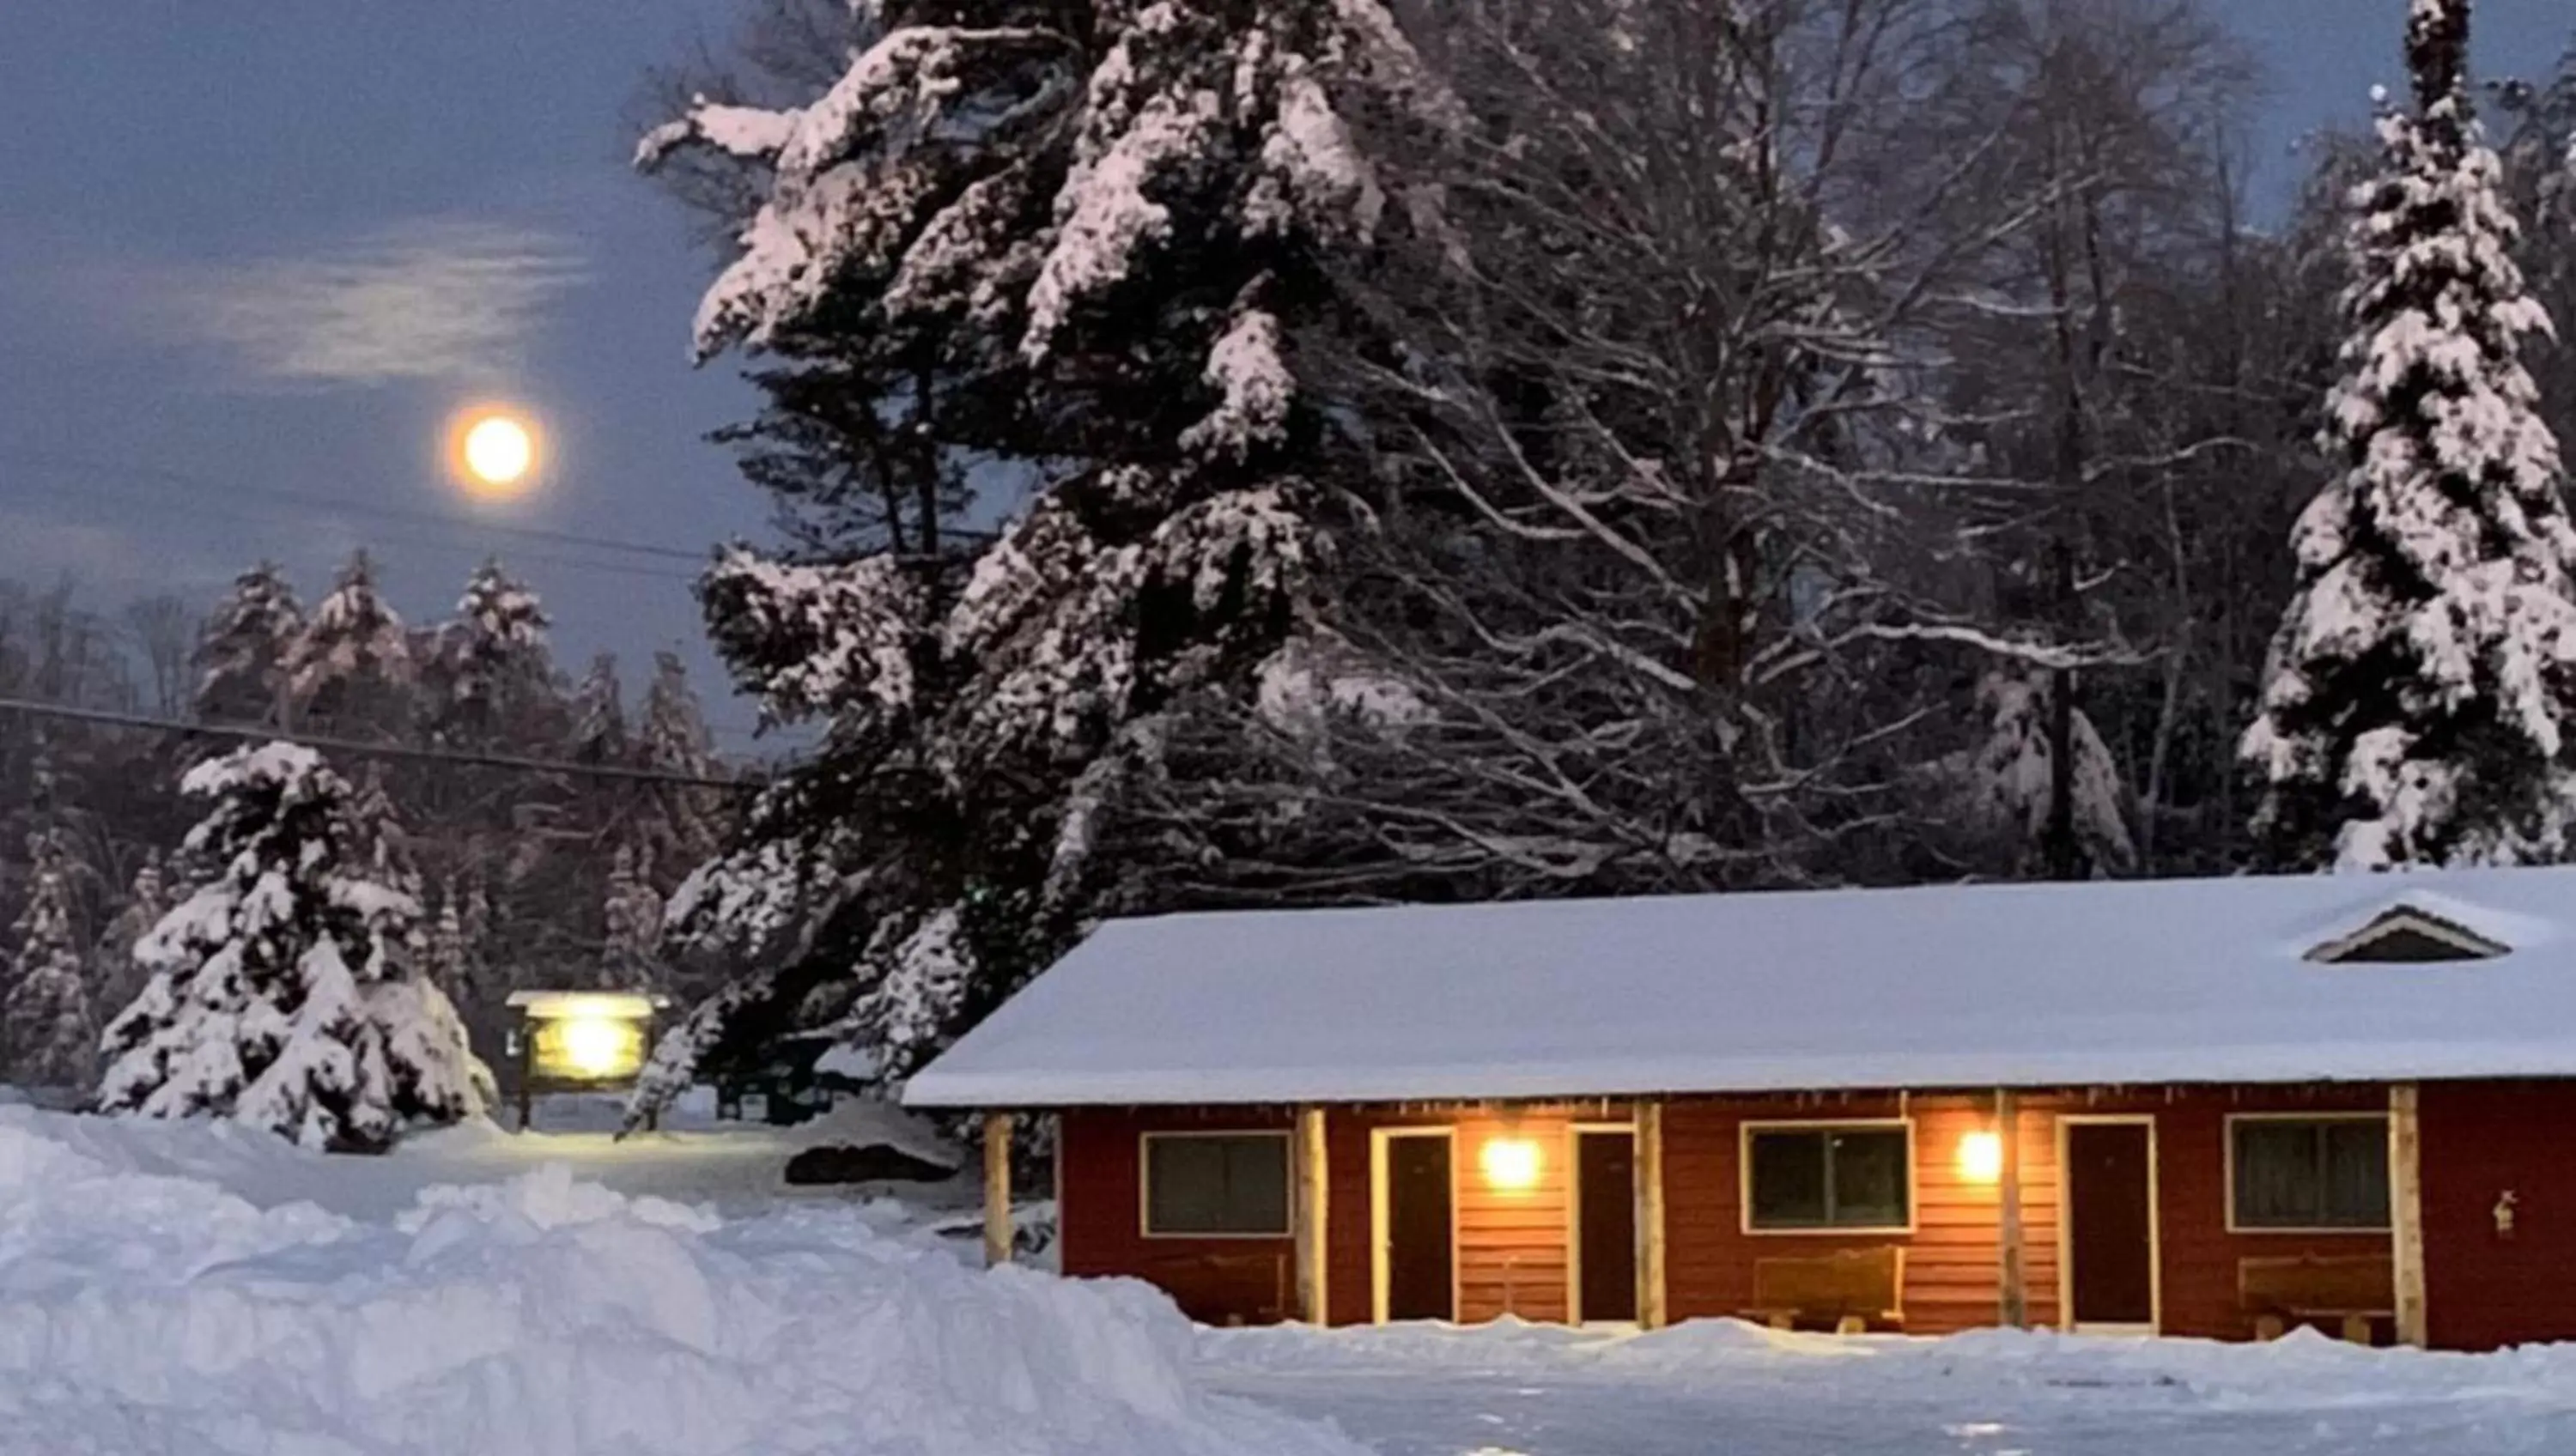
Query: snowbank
x=143 y=1309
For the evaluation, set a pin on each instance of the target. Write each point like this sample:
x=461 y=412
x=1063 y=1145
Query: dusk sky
x=252 y=256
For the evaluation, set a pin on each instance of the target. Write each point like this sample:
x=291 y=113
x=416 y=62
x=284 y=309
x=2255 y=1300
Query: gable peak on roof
x=2412 y=930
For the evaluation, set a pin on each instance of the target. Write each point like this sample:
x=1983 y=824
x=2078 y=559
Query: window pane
x=1788 y=1180
x=2276 y=1175
x=1256 y=1184
x=1216 y=1185
x=2329 y=1173
x=2356 y=1175
x=1869 y=1179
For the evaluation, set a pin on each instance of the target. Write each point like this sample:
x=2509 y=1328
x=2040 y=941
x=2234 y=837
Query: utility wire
x=398 y=534
x=508 y=762
x=306 y=502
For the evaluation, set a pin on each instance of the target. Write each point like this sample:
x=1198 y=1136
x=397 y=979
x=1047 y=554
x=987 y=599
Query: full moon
x=498 y=451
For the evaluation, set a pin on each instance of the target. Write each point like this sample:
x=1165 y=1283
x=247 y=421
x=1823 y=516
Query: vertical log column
x=997 y=1188
x=2406 y=1211
x=1311 y=1216
x=2012 y=1283
x=1652 y=1313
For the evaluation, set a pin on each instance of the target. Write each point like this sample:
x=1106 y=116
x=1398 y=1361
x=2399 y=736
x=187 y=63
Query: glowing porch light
x=1509 y=1163
x=1981 y=1157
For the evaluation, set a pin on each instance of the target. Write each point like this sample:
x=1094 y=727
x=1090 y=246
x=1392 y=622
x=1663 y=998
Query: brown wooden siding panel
x=1953 y=1257
x=1511 y=1244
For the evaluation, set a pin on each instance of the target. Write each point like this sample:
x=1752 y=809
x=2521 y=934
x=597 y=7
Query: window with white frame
x=2309 y=1172
x=1216 y=1184
x=1829 y=1177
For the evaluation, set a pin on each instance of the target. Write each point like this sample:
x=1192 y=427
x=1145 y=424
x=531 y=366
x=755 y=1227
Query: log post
x=1311 y=1216
x=2011 y=1279
x=997 y=1188
x=2406 y=1211
x=1652 y=1313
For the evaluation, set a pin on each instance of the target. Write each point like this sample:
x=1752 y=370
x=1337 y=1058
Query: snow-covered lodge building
x=2211 y=1107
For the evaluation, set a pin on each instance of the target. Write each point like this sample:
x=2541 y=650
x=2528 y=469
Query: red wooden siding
x=1102 y=1227
x=1512 y=1251
x=2483 y=1288
x=2200 y=1256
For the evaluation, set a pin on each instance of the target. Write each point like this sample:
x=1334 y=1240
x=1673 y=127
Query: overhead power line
x=217 y=490
x=398 y=533
x=456 y=758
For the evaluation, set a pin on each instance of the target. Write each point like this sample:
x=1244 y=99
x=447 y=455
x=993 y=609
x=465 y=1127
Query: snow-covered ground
x=1722 y=1388
x=195 y=1289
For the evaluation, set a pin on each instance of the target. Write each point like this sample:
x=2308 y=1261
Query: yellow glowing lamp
x=1981 y=1157
x=1509 y=1163
x=592 y=1038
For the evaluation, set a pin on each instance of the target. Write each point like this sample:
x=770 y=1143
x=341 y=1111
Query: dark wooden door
x=1420 y=1259
x=2110 y=1212
x=1605 y=1180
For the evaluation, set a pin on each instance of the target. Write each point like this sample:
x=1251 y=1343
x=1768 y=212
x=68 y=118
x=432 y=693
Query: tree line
x=1278 y=452
x=511 y=879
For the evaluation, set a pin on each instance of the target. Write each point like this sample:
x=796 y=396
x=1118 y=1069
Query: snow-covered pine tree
x=682 y=825
x=120 y=979
x=350 y=670
x=630 y=948
x=51 y=1030
x=2420 y=691
x=672 y=735
x=1075 y=239
x=241 y=655
x=443 y=957
x=281 y=995
x=491 y=676
x=2006 y=788
x=380 y=846
x=598 y=712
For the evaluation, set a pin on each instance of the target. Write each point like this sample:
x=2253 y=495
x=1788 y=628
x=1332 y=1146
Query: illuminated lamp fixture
x=1510 y=1162
x=1981 y=1157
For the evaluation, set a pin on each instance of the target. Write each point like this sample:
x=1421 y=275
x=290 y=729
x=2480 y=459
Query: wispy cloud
x=438 y=299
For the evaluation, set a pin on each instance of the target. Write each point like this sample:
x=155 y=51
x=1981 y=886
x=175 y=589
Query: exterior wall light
x=1509 y=1163
x=1981 y=1157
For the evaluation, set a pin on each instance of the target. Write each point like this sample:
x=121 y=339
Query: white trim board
x=1574 y=1132
x=1379 y=1137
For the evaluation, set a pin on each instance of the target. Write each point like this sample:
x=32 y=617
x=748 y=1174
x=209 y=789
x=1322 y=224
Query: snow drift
x=142 y=1311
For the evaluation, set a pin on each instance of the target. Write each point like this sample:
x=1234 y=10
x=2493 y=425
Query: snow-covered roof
x=588 y=1005
x=2131 y=982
